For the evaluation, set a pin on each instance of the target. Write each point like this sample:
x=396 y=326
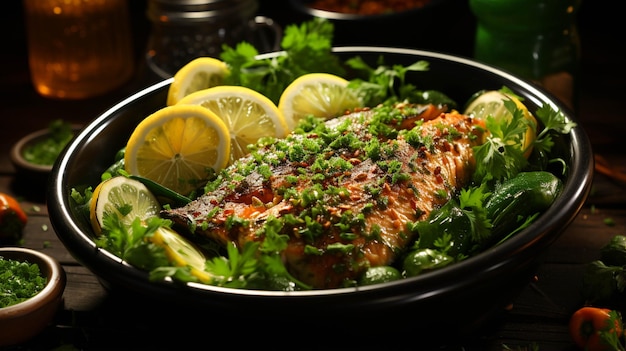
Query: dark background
x=448 y=28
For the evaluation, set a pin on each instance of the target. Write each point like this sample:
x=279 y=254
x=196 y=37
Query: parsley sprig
x=500 y=156
x=383 y=82
x=554 y=121
x=472 y=203
x=387 y=84
x=307 y=48
x=129 y=242
x=257 y=265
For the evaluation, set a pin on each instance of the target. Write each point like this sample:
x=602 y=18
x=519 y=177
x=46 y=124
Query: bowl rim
x=50 y=269
x=487 y=262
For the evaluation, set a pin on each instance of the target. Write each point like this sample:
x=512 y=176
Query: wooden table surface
x=93 y=318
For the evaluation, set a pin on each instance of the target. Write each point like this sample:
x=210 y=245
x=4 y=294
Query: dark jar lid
x=199 y=10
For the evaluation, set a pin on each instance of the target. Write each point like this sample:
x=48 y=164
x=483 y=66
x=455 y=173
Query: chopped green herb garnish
x=19 y=281
x=46 y=151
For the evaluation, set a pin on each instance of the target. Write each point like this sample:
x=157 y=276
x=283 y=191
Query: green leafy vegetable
x=387 y=84
x=500 y=156
x=472 y=201
x=459 y=226
x=554 y=122
x=614 y=252
x=129 y=243
x=384 y=82
x=603 y=283
x=307 y=49
x=604 y=280
x=258 y=265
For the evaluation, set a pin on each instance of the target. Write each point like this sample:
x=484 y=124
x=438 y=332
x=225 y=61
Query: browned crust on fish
x=354 y=211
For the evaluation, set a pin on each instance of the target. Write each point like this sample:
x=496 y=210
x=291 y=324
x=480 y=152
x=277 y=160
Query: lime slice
x=124 y=197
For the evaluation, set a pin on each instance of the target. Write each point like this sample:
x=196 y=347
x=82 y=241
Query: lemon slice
x=181 y=252
x=200 y=73
x=127 y=198
x=318 y=94
x=248 y=114
x=491 y=103
x=177 y=146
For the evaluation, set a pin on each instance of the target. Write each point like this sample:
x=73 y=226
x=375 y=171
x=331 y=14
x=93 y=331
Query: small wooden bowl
x=28 y=172
x=24 y=320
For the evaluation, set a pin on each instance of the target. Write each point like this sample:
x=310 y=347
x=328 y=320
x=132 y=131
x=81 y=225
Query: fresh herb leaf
x=82 y=200
x=383 y=83
x=179 y=274
x=472 y=202
x=232 y=271
x=611 y=334
x=500 y=156
x=273 y=245
x=129 y=243
x=307 y=48
x=459 y=226
x=603 y=283
x=554 y=121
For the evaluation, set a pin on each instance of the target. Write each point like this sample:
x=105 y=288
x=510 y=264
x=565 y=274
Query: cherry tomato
x=12 y=219
x=597 y=329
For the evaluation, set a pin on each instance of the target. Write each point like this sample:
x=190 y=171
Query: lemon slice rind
x=319 y=94
x=200 y=73
x=113 y=194
x=491 y=103
x=248 y=114
x=181 y=252
x=177 y=146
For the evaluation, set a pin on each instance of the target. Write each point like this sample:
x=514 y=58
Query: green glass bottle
x=533 y=39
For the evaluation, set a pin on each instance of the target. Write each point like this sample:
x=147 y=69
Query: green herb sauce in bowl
x=34 y=155
x=44 y=151
x=34 y=306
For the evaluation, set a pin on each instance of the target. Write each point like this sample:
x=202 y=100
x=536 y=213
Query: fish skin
x=331 y=257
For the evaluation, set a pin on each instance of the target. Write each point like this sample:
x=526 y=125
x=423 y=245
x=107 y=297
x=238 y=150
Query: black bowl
x=458 y=298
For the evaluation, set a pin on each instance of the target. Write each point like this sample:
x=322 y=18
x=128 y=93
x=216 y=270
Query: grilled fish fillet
x=344 y=192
